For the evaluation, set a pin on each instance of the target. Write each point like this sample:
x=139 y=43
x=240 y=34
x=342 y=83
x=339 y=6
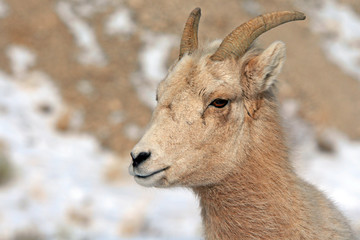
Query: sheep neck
x=257 y=198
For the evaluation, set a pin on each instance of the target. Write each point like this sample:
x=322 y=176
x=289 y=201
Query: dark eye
x=219 y=103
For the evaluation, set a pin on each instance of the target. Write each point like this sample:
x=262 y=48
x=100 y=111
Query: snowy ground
x=59 y=187
x=339 y=27
x=336 y=171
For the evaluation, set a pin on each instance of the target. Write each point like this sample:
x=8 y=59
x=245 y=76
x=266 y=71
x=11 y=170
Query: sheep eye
x=219 y=103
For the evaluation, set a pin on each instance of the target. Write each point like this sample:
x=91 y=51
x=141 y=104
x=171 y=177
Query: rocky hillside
x=94 y=52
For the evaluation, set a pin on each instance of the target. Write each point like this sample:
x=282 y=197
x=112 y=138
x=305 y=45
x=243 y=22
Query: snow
x=117 y=117
x=338 y=174
x=21 y=59
x=120 y=22
x=89 y=8
x=90 y=51
x=133 y=131
x=85 y=87
x=339 y=27
x=152 y=61
x=4 y=9
x=60 y=185
x=252 y=7
x=335 y=173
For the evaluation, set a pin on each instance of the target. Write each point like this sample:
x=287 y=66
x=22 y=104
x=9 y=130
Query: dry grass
x=6 y=169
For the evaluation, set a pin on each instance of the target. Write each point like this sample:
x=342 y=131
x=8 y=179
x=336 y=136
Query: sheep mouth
x=152 y=174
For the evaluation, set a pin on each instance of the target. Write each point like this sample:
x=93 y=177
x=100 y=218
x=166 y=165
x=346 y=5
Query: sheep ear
x=260 y=72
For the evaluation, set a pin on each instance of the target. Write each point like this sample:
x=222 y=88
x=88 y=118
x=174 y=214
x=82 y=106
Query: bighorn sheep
x=216 y=130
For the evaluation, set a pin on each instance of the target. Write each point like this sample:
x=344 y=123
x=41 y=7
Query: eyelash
x=219 y=103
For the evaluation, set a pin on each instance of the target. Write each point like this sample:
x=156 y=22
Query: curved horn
x=189 y=39
x=239 y=40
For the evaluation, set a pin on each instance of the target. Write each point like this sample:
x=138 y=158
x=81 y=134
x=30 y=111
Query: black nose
x=141 y=157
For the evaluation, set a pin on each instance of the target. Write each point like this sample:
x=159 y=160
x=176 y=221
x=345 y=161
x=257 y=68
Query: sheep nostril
x=141 y=157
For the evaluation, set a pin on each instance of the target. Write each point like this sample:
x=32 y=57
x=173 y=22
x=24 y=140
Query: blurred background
x=77 y=87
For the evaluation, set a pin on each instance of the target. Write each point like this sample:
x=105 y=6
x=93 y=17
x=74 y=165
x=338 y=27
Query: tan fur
x=234 y=158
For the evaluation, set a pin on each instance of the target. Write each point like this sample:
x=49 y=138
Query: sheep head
x=197 y=134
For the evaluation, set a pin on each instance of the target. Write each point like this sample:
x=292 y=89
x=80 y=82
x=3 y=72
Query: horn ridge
x=239 y=40
x=189 y=39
